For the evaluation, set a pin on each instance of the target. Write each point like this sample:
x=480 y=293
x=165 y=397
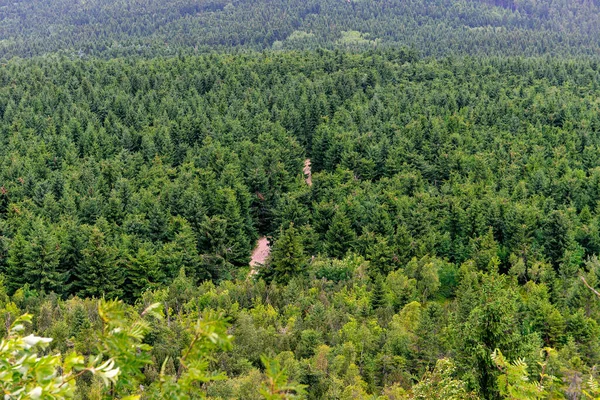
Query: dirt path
x=307 y=172
x=262 y=250
x=260 y=254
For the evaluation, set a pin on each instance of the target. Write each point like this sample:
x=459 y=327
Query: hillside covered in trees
x=422 y=176
x=452 y=214
x=110 y=28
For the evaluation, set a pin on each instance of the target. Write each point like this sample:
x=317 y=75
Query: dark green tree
x=378 y=293
x=141 y=273
x=287 y=257
x=558 y=236
x=98 y=274
x=16 y=263
x=41 y=260
x=340 y=237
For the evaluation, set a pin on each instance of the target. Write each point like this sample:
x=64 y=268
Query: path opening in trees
x=307 y=172
x=262 y=250
x=260 y=254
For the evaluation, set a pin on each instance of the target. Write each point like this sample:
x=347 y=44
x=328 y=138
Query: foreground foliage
x=339 y=347
x=26 y=373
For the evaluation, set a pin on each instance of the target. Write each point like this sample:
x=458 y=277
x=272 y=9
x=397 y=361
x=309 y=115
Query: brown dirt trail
x=262 y=250
x=307 y=172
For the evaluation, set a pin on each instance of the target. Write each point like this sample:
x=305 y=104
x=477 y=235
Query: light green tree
x=514 y=382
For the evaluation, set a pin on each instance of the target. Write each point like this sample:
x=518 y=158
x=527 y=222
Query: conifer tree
x=378 y=293
x=558 y=236
x=340 y=237
x=182 y=252
x=41 y=269
x=141 y=273
x=72 y=242
x=287 y=256
x=98 y=273
x=16 y=263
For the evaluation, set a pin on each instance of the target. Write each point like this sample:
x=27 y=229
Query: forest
x=423 y=177
x=150 y=28
x=452 y=214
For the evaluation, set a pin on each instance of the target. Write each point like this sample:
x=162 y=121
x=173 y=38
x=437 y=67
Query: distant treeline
x=110 y=28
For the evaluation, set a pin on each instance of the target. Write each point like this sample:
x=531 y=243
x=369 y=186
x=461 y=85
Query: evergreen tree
x=182 y=252
x=287 y=257
x=141 y=273
x=4 y=200
x=41 y=260
x=158 y=222
x=378 y=293
x=72 y=242
x=98 y=273
x=558 y=236
x=487 y=319
x=16 y=263
x=340 y=237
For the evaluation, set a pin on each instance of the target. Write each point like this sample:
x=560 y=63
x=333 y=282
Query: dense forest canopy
x=111 y=28
x=422 y=176
x=452 y=213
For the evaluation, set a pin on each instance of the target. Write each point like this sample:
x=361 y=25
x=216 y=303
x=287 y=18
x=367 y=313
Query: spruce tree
x=72 y=242
x=4 y=200
x=98 y=273
x=181 y=253
x=42 y=260
x=558 y=236
x=378 y=293
x=238 y=244
x=141 y=273
x=16 y=263
x=287 y=256
x=340 y=237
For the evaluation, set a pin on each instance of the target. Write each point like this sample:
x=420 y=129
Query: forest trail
x=262 y=250
x=307 y=172
x=260 y=254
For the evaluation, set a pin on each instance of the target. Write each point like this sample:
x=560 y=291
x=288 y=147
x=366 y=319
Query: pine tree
x=238 y=244
x=378 y=293
x=72 y=242
x=484 y=249
x=381 y=255
x=181 y=253
x=558 y=236
x=16 y=263
x=141 y=273
x=487 y=318
x=4 y=200
x=340 y=237
x=158 y=220
x=287 y=256
x=42 y=260
x=80 y=321
x=98 y=274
